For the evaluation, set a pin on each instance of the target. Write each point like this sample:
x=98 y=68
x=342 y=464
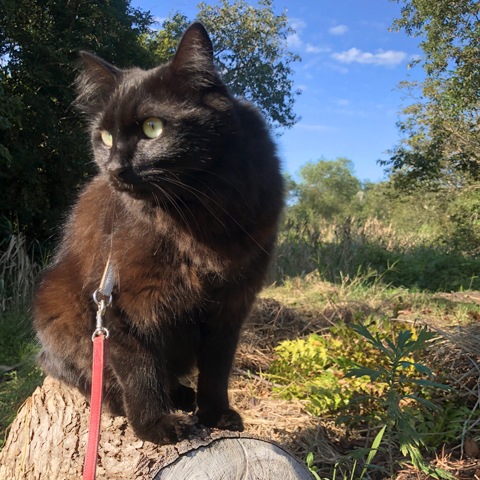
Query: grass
x=370 y=249
x=327 y=275
x=19 y=376
x=19 y=269
x=17 y=352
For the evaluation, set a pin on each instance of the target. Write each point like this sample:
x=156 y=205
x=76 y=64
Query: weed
x=399 y=373
x=356 y=455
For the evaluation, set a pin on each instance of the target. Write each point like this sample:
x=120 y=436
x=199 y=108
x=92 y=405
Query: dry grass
x=304 y=306
x=18 y=273
x=287 y=422
x=334 y=247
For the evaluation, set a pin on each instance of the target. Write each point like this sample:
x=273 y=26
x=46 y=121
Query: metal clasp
x=102 y=307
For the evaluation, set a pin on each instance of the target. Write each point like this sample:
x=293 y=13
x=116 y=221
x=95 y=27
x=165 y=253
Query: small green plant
x=356 y=455
x=311 y=467
x=400 y=424
x=312 y=369
x=440 y=427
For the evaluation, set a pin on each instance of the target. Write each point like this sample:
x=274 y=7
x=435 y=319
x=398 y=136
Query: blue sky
x=350 y=67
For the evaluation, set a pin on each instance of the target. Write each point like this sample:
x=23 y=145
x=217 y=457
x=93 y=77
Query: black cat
x=186 y=202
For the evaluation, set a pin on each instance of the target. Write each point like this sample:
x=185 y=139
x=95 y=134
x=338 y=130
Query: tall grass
x=19 y=376
x=19 y=271
x=358 y=246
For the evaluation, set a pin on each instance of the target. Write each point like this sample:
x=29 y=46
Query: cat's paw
x=222 y=419
x=168 y=429
x=183 y=398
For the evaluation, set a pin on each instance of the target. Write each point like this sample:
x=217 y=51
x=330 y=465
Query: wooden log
x=48 y=439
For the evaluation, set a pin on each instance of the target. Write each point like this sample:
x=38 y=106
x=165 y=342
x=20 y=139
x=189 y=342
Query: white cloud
x=312 y=49
x=297 y=24
x=342 y=101
x=389 y=58
x=302 y=87
x=294 y=41
x=338 y=30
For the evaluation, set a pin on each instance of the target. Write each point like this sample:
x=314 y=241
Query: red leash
x=99 y=352
x=90 y=467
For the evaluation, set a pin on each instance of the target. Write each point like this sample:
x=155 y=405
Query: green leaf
x=376 y=444
x=429 y=383
x=423 y=401
x=358 y=372
x=422 y=369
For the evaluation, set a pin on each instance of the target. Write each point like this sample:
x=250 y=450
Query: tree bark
x=48 y=440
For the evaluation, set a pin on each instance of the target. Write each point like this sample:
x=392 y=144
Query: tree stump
x=48 y=440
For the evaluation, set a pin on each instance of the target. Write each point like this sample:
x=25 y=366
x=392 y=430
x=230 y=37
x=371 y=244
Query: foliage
x=307 y=370
x=374 y=371
x=327 y=189
x=440 y=427
x=419 y=238
x=43 y=154
x=313 y=469
x=440 y=142
x=441 y=126
x=249 y=44
x=395 y=377
x=314 y=369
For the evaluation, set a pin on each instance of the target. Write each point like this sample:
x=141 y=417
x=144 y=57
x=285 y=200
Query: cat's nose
x=119 y=173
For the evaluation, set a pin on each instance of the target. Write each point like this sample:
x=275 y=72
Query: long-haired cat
x=186 y=202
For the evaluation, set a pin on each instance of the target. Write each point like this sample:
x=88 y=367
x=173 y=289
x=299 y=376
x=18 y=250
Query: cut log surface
x=48 y=441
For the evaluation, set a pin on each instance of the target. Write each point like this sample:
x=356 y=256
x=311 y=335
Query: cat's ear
x=194 y=56
x=95 y=83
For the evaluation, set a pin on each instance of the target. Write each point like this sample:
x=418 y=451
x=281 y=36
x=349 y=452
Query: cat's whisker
x=221 y=177
x=194 y=190
x=177 y=208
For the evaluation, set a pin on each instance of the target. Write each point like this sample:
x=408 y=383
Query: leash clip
x=106 y=287
x=102 y=307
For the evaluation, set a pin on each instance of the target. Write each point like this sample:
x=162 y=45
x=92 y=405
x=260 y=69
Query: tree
x=249 y=44
x=328 y=189
x=44 y=153
x=441 y=128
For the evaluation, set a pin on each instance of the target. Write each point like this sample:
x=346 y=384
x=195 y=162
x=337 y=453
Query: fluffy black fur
x=190 y=221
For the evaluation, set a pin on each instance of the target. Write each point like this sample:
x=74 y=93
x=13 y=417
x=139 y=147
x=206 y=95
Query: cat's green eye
x=152 y=127
x=107 y=138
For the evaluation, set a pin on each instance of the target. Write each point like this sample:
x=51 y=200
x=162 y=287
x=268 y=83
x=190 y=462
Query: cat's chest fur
x=163 y=268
